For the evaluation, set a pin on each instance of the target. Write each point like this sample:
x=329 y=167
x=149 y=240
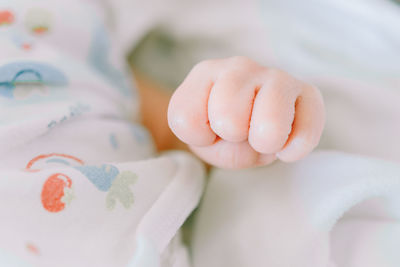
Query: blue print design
x=140 y=134
x=102 y=177
x=107 y=178
x=113 y=141
x=28 y=73
x=56 y=160
x=98 y=58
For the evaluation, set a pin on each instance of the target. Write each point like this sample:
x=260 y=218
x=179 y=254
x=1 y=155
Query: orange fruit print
x=56 y=191
x=40 y=29
x=53 y=192
x=6 y=17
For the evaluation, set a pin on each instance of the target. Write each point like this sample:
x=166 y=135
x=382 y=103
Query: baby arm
x=234 y=113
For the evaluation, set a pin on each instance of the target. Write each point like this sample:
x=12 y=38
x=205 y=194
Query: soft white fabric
x=351 y=39
x=302 y=214
x=98 y=227
x=282 y=215
x=339 y=206
x=81 y=182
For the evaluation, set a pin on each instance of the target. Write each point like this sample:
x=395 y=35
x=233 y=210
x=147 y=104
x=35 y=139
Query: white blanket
x=340 y=206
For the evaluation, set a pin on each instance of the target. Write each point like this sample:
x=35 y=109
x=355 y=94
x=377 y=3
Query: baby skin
x=234 y=113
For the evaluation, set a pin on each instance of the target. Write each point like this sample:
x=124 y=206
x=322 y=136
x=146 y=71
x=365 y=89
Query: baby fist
x=234 y=113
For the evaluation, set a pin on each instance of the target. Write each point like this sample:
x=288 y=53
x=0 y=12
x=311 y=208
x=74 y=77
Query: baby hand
x=234 y=113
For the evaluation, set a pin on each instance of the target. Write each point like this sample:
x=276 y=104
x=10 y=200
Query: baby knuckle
x=230 y=75
x=204 y=65
x=278 y=75
x=306 y=143
x=180 y=119
x=281 y=80
x=312 y=91
x=274 y=130
x=242 y=61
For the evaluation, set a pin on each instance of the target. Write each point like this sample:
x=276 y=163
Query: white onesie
x=80 y=184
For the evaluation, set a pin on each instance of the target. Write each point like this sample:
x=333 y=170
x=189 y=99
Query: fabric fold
x=286 y=215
